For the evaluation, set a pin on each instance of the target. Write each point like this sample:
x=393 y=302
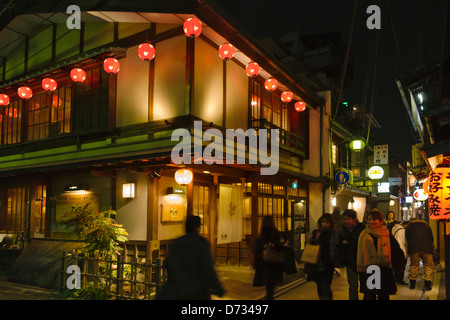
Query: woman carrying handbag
x=322 y=273
x=268 y=273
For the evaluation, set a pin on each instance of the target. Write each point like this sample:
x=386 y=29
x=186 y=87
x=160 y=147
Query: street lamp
x=357 y=145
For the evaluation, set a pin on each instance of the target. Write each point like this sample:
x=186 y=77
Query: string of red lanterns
x=192 y=28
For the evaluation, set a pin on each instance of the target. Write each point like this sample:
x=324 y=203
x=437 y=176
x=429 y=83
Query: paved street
x=308 y=291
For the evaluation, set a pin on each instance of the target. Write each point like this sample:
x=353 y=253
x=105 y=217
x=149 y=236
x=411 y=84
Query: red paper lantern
x=111 y=65
x=300 y=106
x=287 y=96
x=25 y=92
x=192 y=27
x=226 y=51
x=271 y=84
x=4 y=99
x=439 y=193
x=78 y=75
x=49 y=84
x=252 y=69
x=146 y=51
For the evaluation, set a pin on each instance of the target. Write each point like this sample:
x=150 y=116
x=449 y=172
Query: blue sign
x=342 y=177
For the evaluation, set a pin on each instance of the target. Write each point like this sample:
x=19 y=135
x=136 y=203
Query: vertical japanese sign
x=439 y=194
x=381 y=154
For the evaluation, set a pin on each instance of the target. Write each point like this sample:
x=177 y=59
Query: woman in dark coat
x=322 y=273
x=268 y=274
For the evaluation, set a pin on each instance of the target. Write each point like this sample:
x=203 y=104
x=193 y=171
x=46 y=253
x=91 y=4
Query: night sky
x=411 y=35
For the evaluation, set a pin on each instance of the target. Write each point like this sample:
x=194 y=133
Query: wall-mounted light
x=128 y=190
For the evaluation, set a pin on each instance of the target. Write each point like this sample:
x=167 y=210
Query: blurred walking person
x=322 y=273
x=398 y=231
x=268 y=273
x=348 y=247
x=190 y=270
x=420 y=247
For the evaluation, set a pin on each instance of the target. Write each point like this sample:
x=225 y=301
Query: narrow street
x=308 y=291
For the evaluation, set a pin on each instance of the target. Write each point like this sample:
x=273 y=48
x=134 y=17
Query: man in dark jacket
x=420 y=246
x=190 y=271
x=348 y=245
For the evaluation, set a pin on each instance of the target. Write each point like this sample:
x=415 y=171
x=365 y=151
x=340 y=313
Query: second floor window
x=48 y=115
x=268 y=105
x=11 y=123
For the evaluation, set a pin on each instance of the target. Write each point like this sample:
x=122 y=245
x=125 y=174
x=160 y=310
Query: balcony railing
x=288 y=141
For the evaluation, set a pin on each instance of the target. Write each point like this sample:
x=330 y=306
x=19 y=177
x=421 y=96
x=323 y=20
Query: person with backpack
x=420 y=247
x=398 y=231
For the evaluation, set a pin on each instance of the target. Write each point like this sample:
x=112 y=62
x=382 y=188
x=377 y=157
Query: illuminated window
x=334 y=153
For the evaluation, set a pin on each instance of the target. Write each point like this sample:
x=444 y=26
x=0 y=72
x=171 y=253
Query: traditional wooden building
x=85 y=142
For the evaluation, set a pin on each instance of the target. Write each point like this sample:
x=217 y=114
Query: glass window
x=10 y=123
x=48 y=115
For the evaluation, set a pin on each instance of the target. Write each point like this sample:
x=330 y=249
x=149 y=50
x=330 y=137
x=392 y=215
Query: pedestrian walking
x=374 y=248
x=398 y=231
x=338 y=218
x=322 y=273
x=348 y=246
x=268 y=272
x=420 y=247
x=190 y=270
x=390 y=220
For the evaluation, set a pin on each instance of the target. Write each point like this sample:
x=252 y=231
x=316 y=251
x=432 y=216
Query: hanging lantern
x=146 y=51
x=4 y=99
x=49 y=84
x=439 y=193
x=226 y=51
x=192 y=27
x=111 y=65
x=271 y=84
x=183 y=176
x=357 y=145
x=287 y=96
x=78 y=75
x=25 y=92
x=252 y=69
x=300 y=106
x=420 y=195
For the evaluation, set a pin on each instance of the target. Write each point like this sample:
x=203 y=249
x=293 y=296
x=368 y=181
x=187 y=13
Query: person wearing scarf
x=374 y=248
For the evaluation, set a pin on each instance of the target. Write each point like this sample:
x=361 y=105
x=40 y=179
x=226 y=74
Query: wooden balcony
x=288 y=141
